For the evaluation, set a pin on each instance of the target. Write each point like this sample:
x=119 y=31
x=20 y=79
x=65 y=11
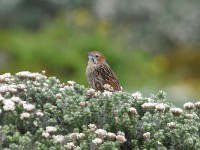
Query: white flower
x=22 y=102
x=36 y=83
x=40 y=77
x=69 y=146
x=5 y=76
x=111 y=136
x=137 y=95
x=45 y=85
x=9 y=105
x=107 y=87
x=3 y=88
x=71 y=83
x=83 y=104
x=80 y=136
x=62 y=89
x=160 y=107
x=132 y=111
x=45 y=134
x=195 y=116
x=24 y=116
x=189 y=116
x=121 y=138
x=43 y=71
x=120 y=133
x=92 y=127
x=29 y=107
x=39 y=114
x=148 y=105
x=101 y=133
x=58 y=138
x=90 y=92
x=35 y=123
x=50 y=129
x=188 y=106
x=12 y=90
x=15 y=99
x=68 y=88
x=21 y=86
x=23 y=74
x=107 y=93
x=97 y=94
x=172 y=125
x=147 y=135
x=176 y=111
x=35 y=76
x=27 y=74
x=8 y=88
x=97 y=141
x=197 y=104
x=59 y=95
x=76 y=136
x=73 y=136
x=159 y=143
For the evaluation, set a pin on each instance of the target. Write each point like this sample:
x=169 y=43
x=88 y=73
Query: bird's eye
x=97 y=55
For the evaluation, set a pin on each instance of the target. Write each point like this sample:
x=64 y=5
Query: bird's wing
x=108 y=77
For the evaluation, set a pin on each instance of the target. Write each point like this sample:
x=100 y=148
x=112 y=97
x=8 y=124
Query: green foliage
x=39 y=112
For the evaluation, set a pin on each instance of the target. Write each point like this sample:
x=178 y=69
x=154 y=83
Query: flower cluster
x=107 y=87
x=147 y=135
x=102 y=135
x=137 y=95
x=24 y=115
x=8 y=105
x=188 y=106
x=27 y=74
x=58 y=138
x=197 y=105
x=148 y=105
x=90 y=92
x=8 y=88
x=49 y=131
x=132 y=111
x=5 y=77
x=107 y=93
x=176 y=111
x=92 y=127
x=76 y=136
x=160 y=107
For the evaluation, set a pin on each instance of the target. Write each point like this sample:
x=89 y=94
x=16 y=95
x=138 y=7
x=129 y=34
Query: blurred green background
x=150 y=45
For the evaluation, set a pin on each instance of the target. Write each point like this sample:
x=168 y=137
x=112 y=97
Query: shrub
x=39 y=112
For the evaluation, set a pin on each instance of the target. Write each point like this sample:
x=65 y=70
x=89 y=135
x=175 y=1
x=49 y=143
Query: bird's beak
x=89 y=54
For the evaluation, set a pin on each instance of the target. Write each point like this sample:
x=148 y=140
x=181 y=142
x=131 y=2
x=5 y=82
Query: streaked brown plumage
x=99 y=72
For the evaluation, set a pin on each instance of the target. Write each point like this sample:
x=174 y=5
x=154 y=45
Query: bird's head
x=96 y=57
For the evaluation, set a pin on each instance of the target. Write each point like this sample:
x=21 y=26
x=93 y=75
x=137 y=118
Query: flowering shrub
x=39 y=112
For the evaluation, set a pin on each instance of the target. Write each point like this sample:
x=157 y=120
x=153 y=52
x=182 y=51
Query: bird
x=99 y=73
